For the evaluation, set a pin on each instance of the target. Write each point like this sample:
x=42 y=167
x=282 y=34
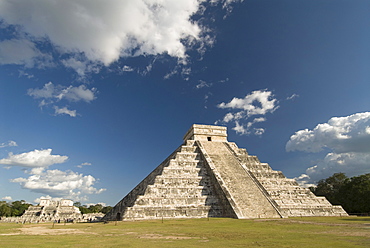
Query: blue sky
x=95 y=94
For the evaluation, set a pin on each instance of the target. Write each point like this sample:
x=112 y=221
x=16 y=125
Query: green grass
x=292 y=232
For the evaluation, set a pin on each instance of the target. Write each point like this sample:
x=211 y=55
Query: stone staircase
x=182 y=189
x=248 y=199
x=291 y=199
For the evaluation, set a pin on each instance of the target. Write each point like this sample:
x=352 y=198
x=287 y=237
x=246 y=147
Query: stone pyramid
x=208 y=176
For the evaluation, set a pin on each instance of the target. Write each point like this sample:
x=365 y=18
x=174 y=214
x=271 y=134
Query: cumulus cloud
x=346 y=141
x=53 y=94
x=38 y=200
x=9 y=143
x=57 y=183
x=7 y=198
x=259 y=102
x=22 y=52
x=103 y=31
x=340 y=134
x=70 y=93
x=36 y=158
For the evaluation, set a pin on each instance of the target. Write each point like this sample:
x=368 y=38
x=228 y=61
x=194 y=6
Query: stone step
x=281 y=183
x=187 y=156
x=173 y=171
x=174 y=212
x=189 y=149
x=290 y=193
x=171 y=182
x=271 y=174
x=184 y=164
x=177 y=201
x=169 y=192
x=296 y=202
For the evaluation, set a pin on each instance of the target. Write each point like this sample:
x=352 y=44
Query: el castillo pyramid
x=208 y=176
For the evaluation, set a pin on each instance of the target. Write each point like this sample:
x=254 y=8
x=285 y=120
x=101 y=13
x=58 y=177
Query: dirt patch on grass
x=159 y=236
x=43 y=230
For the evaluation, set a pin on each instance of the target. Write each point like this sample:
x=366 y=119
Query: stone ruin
x=48 y=210
x=52 y=210
x=207 y=176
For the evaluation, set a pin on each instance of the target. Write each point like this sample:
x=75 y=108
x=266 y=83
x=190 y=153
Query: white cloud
x=258 y=131
x=83 y=164
x=81 y=66
x=56 y=183
x=36 y=158
x=292 y=97
x=304 y=181
x=38 y=200
x=259 y=102
x=340 y=134
x=22 y=52
x=10 y=143
x=240 y=128
x=103 y=31
x=7 y=198
x=203 y=84
x=65 y=111
x=70 y=93
x=345 y=138
x=52 y=94
x=127 y=68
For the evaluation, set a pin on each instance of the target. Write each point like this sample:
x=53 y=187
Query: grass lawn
x=215 y=232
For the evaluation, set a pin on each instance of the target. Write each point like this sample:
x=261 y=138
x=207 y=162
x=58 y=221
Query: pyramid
x=207 y=176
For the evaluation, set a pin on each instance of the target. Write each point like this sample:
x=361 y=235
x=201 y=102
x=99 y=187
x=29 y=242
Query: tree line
x=97 y=208
x=353 y=194
x=17 y=208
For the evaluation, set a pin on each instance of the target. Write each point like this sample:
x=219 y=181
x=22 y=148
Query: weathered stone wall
x=242 y=192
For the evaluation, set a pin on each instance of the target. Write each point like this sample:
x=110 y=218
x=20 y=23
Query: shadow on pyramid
x=208 y=176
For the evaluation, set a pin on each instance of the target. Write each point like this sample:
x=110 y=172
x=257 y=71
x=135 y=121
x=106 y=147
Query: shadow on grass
x=360 y=218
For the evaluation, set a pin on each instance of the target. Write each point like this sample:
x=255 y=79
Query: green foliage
x=84 y=209
x=97 y=208
x=5 y=209
x=15 y=208
x=106 y=209
x=352 y=193
x=18 y=207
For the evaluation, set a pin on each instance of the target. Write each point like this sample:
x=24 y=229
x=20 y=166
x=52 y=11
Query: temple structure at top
x=208 y=176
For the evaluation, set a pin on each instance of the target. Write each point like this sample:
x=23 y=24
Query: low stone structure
x=208 y=176
x=48 y=210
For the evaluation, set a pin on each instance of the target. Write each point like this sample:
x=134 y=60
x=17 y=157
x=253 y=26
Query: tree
x=106 y=209
x=84 y=209
x=330 y=187
x=18 y=207
x=355 y=196
x=5 y=209
x=96 y=208
x=352 y=193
